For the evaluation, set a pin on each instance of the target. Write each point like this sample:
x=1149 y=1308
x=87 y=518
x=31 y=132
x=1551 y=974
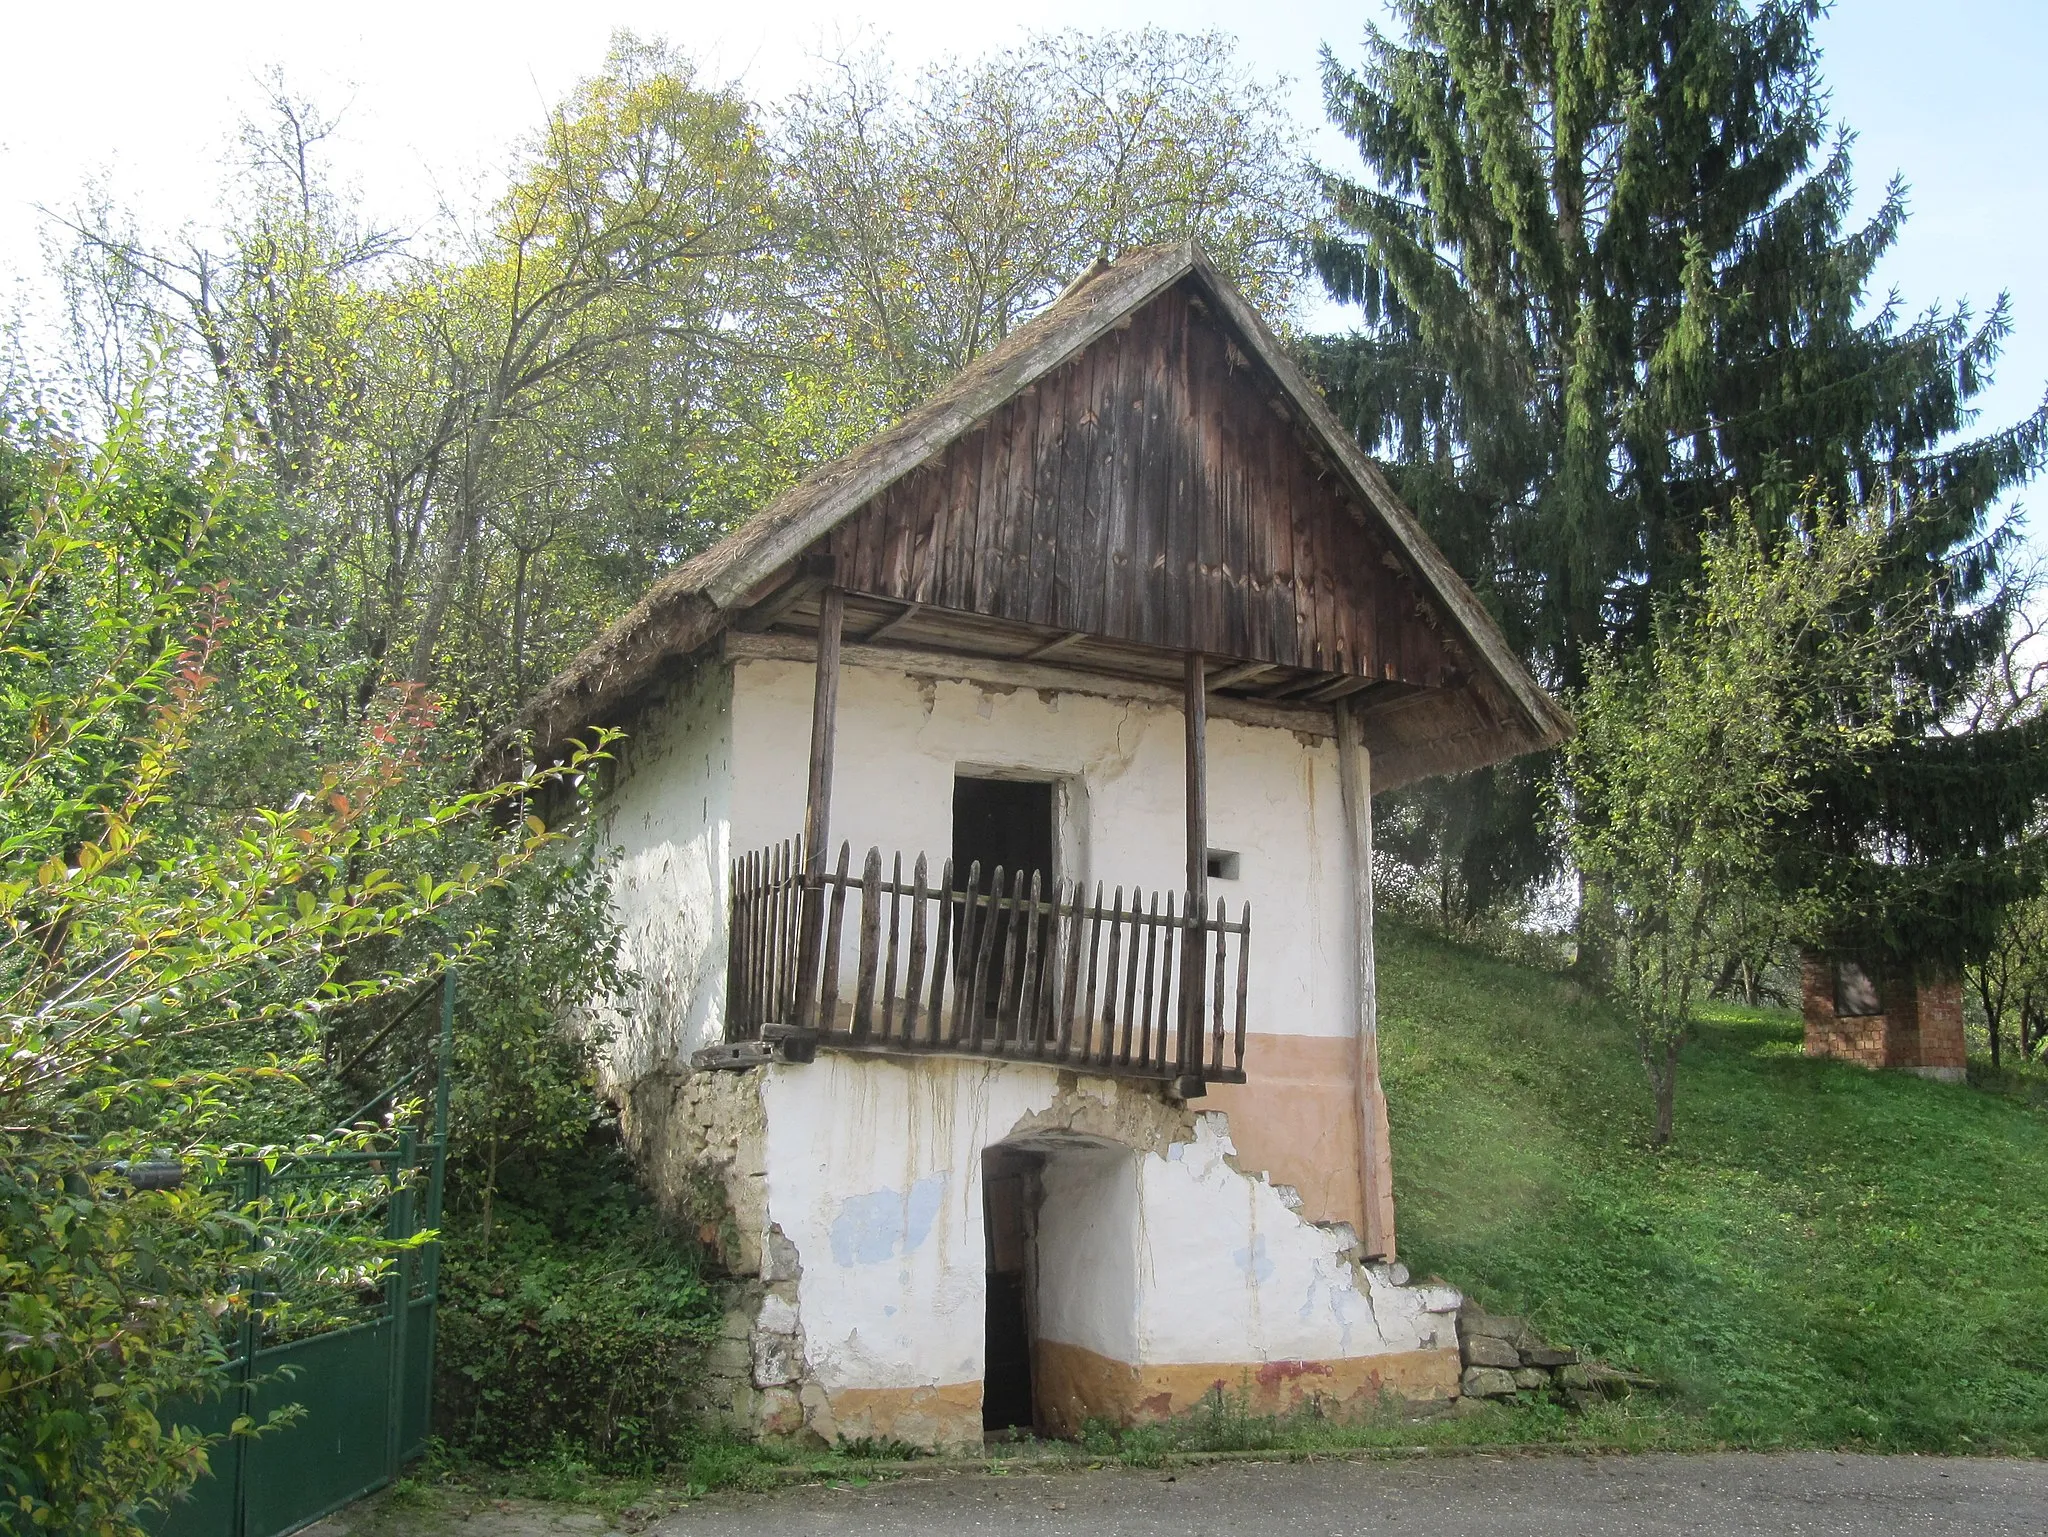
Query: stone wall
x=699 y=1140
x=1505 y=1358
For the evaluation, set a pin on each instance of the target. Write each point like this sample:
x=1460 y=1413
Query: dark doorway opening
x=1005 y=822
x=1008 y=1180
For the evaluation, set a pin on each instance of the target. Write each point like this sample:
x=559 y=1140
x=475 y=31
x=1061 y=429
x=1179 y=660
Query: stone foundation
x=1504 y=1358
x=844 y=1200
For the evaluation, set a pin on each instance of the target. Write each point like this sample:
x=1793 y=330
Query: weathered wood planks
x=1153 y=489
x=1012 y=971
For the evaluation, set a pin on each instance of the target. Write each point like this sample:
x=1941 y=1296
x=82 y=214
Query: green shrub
x=577 y=1331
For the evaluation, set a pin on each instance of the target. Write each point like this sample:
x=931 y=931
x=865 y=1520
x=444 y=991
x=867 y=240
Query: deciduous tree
x=1696 y=745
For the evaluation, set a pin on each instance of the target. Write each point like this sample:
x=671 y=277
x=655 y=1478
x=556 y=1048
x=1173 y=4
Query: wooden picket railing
x=1119 y=988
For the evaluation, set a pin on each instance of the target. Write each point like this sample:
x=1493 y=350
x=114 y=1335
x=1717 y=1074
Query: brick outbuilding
x=1883 y=1018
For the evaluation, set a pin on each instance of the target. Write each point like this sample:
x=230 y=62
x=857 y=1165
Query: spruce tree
x=1609 y=289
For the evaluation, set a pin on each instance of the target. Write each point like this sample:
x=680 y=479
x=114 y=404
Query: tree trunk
x=1994 y=1010
x=1595 y=959
x=1660 y=1064
x=519 y=627
x=1667 y=1098
x=1730 y=969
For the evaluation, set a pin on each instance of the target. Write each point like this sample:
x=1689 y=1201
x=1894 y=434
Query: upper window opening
x=1006 y=822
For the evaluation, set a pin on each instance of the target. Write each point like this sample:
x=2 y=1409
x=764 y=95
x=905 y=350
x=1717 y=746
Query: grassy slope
x=1826 y=1256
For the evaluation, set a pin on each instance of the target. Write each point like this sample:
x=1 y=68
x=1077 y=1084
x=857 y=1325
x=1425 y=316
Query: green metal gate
x=364 y=1381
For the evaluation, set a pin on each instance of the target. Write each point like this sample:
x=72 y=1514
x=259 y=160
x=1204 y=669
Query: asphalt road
x=1730 y=1495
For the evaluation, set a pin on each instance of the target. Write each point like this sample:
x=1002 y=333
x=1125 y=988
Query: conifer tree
x=1609 y=288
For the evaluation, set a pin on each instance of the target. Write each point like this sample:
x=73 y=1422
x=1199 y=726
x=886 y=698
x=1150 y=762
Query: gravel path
x=1733 y=1495
x=1726 y=1495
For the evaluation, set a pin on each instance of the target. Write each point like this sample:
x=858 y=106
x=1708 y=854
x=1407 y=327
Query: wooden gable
x=1157 y=488
x=1136 y=473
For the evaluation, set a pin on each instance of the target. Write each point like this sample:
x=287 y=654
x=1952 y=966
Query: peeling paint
x=884 y=1224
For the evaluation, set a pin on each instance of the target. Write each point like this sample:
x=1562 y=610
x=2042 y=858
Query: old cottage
x=997 y=835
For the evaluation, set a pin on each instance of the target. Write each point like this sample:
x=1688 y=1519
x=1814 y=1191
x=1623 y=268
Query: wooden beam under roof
x=1340 y=688
x=776 y=606
x=1300 y=683
x=1230 y=677
x=892 y=624
x=1055 y=646
x=1006 y=672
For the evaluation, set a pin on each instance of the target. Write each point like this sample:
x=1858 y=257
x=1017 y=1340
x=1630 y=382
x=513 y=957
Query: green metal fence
x=357 y=1359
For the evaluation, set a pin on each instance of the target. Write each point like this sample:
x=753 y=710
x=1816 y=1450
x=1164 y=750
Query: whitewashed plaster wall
x=874 y=1174
x=1273 y=799
x=1184 y=1260
x=668 y=811
x=1229 y=1272
x=1086 y=1278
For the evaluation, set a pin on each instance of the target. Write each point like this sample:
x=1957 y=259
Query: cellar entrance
x=1009 y=1181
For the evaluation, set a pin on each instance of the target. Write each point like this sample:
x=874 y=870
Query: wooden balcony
x=991 y=965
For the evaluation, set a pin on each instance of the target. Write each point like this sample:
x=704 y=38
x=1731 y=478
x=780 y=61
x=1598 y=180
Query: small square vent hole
x=1222 y=865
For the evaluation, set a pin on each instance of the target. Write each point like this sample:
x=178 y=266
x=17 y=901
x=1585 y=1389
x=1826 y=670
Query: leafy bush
x=576 y=1328
x=166 y=969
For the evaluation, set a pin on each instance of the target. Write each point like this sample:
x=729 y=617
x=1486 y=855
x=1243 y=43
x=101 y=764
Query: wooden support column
x=1375 y=1156
x=818 y=804
x=1193 y=954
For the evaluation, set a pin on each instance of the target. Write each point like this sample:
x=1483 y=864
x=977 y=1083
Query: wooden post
x=1375 y=1157
x=1195 y=710
x=818 y=803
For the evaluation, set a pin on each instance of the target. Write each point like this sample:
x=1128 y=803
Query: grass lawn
x=1826 y=1256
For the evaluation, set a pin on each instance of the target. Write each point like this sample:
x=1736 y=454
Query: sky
x=146 y=95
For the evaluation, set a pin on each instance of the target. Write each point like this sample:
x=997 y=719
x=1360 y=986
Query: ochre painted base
x=1074 y=1384
x=948 y=1414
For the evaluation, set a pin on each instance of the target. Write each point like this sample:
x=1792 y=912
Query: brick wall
x=1921 y=1028
x=1859 y=1038
x=1938 y=1027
